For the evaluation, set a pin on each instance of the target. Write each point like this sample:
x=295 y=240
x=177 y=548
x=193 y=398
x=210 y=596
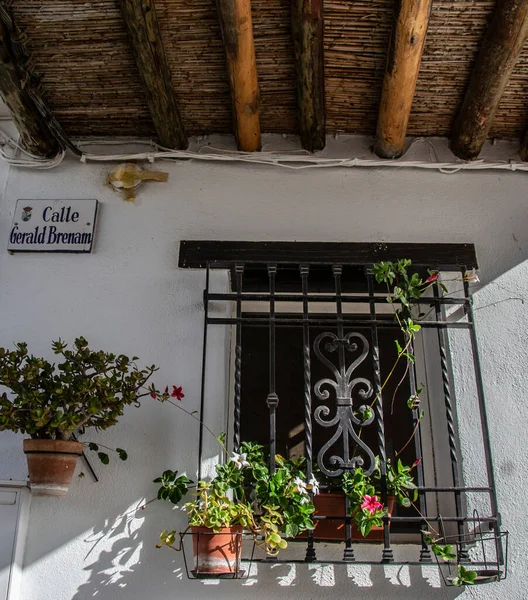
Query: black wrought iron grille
x=304 y=275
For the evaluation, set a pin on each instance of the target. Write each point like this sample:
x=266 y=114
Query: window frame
x=237 y=256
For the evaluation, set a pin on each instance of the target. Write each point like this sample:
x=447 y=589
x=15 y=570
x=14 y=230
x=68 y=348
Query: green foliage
x=87 y=389
x=103 y=457
x=281 y=498
x=358 y=487
x=272 y=506
x=400 y=483
x=445 y=552
x=406 y=289
x=215 y=510
x=173 y=488
x=464 y=577
x=414 y=400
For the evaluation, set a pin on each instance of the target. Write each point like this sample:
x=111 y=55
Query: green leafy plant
x=464 y=577
x=400 y=483
x=270 y=505
x=447 y=553
x=173 y=487
x=215 y=510
x=367 y=510
x=86 y=389
x=364 y=496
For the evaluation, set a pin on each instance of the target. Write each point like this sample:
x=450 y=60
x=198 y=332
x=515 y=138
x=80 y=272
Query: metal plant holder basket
x=482 y=552
x=233 y=566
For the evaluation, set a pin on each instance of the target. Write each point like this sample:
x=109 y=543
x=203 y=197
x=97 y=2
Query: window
x=314 y=341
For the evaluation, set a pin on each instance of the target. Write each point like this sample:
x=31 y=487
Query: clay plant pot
x=331 y=504
x=51 y=464
x=217 y=553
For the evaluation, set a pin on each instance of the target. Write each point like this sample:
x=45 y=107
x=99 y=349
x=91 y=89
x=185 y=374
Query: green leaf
x=122 y=453
x=103 y=457
x=471 y=576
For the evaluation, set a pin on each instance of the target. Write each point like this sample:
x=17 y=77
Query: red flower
x=433 y=277
x=153 y=395
x=166 y=390
x=177 y=393
x=371 y=503
x=416 y=462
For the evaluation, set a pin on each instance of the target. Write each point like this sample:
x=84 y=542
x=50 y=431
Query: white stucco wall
x=129 y=296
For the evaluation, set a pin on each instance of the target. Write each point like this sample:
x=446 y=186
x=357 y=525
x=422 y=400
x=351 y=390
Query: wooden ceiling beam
x=498 y=54
x=307 y=29
x=237 y=33
x=144 y=33
x=407 y=41
x=15 y=83
x=523 y=151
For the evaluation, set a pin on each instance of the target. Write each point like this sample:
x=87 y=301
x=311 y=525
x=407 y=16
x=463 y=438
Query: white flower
x=304 y=500
x=240 y=460
x=314 y=485
x=471 y=276
x=300 y=485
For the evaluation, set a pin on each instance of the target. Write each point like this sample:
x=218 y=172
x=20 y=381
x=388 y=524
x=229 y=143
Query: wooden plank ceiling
x=89 y=78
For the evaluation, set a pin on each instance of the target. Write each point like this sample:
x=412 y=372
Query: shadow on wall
x=130 y=567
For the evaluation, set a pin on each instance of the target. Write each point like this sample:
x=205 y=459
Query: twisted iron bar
x=239 y=271
x=448 y=403
x=307 y=375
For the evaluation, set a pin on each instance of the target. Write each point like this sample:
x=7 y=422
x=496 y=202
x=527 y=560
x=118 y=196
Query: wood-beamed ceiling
x=90 y=77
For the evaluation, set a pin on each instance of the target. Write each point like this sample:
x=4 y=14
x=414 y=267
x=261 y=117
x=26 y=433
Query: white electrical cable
x=10 y=152
x=296 y=162
x=293 y=159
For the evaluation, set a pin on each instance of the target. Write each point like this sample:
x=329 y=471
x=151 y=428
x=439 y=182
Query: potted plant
x=53 y=403
x=365 y=498
x=244 y=495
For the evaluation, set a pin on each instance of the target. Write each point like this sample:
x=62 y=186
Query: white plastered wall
x=129 y=296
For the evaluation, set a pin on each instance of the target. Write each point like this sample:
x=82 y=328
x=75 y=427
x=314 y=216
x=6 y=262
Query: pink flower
x=416 y=462
x=177 y=393
x=432 y=278
x=371 y=503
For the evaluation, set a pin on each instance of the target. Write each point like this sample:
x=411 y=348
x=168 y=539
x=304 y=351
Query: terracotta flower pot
x=217 y=553
x=51 y=464
x=330 y=504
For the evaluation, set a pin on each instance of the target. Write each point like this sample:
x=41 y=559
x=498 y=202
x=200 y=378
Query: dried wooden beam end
x=498 y=54
x=307 y=30
x=145 y=37
x=15 y=84
x=237 y=33
x=409 y=28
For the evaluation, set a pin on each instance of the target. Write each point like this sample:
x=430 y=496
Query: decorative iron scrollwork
x=345 y=417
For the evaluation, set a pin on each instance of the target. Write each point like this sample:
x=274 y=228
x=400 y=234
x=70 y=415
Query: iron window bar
x=305 y=321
